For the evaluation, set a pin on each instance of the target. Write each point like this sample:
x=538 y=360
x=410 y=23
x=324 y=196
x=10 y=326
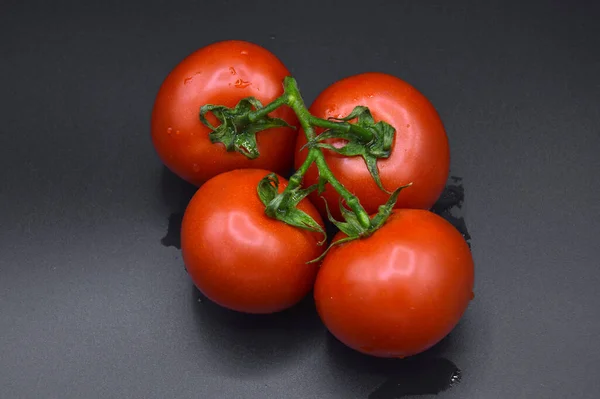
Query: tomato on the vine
x=420 y=152
x=238 y=256
x=221 y=73
x=399 y=291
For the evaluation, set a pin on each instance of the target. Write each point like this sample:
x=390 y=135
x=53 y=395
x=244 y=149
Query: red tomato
x=222 y=73
x=399 y=291
x=239 y=257
x=420 y=152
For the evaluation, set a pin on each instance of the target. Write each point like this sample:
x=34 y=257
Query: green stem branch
x=296 y=179
x=364 y=134
x=272 y=106
x=294 y=100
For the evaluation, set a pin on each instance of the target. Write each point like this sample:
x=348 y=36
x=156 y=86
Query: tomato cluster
x=392 y=293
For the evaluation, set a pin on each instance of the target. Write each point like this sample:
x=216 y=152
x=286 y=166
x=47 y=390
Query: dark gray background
x=93 y=306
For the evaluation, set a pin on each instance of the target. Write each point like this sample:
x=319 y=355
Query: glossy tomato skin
x=239 y=257
x=221 y=73
x=420 y=152
x=400 y=291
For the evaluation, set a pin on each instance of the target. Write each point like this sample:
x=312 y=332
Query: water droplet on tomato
x=243 y=52
x=232 y=70
x=240 y=84
x=196 y=167
x=169 y=130
x=177 y=132
x=331 y=110
x=187 y=80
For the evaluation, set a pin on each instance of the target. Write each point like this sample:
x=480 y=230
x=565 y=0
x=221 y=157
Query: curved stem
x=296 y=179
x=295 y=101
x=351 y=200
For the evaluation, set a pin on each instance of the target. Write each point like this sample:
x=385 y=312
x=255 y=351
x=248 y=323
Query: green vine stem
x=315 y=154
x=364 y=138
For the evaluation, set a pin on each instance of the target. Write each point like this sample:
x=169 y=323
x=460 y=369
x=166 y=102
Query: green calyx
x=365 y=138
x=284 y=206
x=351 y=225
x=237 y=130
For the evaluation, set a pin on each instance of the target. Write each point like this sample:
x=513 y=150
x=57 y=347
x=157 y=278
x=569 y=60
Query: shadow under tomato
x=244 y=344
x=240 y=344
x=427 y=373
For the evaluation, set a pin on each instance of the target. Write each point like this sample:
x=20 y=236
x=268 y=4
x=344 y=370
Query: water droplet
x=455 y=378
x=169 y=130
x=272 y=36
x=240 y=84
x=232 y=70
x=187 y=80
x=243 y=52
x=196 y=167
x=177 y=132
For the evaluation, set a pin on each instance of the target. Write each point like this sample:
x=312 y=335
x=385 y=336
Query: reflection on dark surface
x=450 y=202
x=173 y=236
x=176 y=193
x=428 y=376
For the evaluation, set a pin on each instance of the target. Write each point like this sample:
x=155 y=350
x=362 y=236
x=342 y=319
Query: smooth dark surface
x=92 y=305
